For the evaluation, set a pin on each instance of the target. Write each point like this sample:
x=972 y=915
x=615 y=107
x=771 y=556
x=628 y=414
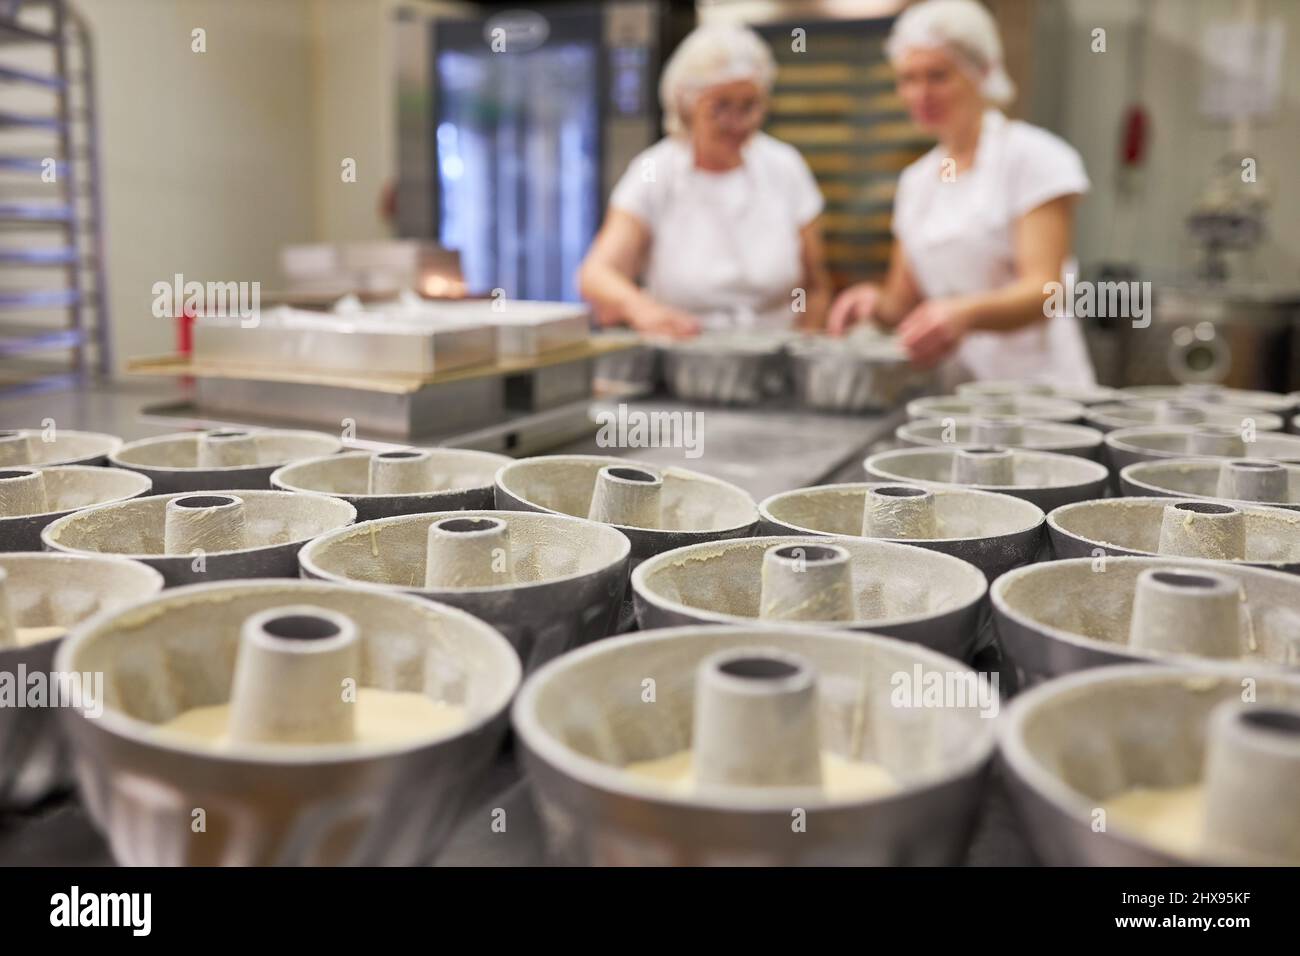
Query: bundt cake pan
x=1205 y=479
x=221 y=459
x=457 y=479
x=264 y=543
x=1063 y=616
x=548 y=582
x=1003 y=430
x=583 y=718
x=1133 y=413
x=994 y=532
x=1030 y=407
x=279 y=803
x=1083 y=395
x=897 y=590
x=55 y=446
x=1146 y=527
x=1043 y=479
x=725 y=369
x=1214 y=394
x=839 y=375
x=41 y=596
x=1126 y=446
x=684 y=507
x=1071 y=745
x=64 y=489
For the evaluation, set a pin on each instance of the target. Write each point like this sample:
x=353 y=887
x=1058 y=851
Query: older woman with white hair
x=982 y=223
x=717 y=219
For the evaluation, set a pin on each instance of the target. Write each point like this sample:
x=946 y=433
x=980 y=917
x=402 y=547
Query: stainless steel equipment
x=581 y=719
x=275 y=525
x=67 y=489
x=41 y=596
x=280 y=803
x=991 y=531
x=898 y=590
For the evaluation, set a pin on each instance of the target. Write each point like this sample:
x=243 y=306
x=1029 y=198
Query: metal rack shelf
x=72 y=265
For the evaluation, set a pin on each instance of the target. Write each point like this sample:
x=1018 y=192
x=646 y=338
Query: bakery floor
x=763 y=451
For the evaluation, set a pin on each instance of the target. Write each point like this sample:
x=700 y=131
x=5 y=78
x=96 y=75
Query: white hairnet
x=964 y=26
x=710 y=56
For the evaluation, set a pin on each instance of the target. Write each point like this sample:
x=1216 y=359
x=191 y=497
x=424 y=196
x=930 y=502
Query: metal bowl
x=172 y=460
x=1071 y=744
x=569 y=575
x=900 y=591
x=464 y=480
x=1032 y=407
x=278 y=522
x=991 y=531
x=1042 y=478
x=1131 y=527
x=55 y=446
x=70 y=488
x=1125 y=446
x=279 y=804
x=1131 y=414
x=1194 y=478
x=581 y=719
x=1078 y=440
x=1063 y=616
x=51 y=591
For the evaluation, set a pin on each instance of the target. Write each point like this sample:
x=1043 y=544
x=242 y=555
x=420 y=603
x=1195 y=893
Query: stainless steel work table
x=764 y=451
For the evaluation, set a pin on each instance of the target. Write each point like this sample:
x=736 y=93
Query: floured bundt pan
x=208 y=536
x=993 y=532
x=850 y=583
x=42 y=447
x=1089 y=395
x=758 y=746
x=31 y=498
x=1038 y=408
x=399 y=481
x=285 y=723
x=221 y=459
x=1133 y=413
x=1157 y=766
x=1007 y=431
x=657 y=508
x=1125 y=446
x=1250 y=481
x=1041 y=478
x=1062 y=616
x=41 y=597
x=1213 y=530
x=548 y=582
x=1214 y=394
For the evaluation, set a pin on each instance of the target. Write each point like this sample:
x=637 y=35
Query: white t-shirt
x=958 y=239
x=724 y=246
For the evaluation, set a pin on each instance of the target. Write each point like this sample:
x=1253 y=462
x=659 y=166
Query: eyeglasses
x=736 y=113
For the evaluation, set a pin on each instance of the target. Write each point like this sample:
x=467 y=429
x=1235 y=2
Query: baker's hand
x=855 y=304
x=662 y=321
x=931 y=331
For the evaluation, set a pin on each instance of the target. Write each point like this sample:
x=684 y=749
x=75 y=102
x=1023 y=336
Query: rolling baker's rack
x=51 y=242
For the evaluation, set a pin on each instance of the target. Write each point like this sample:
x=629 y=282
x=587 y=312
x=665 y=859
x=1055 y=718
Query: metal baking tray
x=355 y=344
